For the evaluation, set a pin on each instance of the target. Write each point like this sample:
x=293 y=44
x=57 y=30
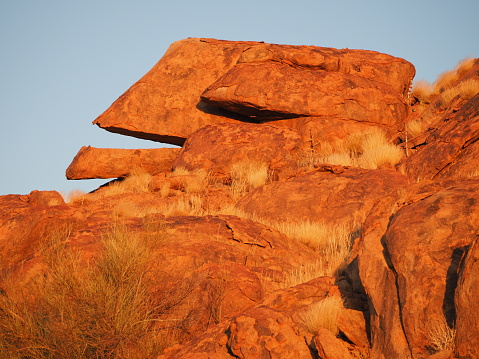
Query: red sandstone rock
x=375 y=277
x=321 y=134
x=323 y=196
x=91 y=162
x=164 y=105
x=467 y=292
x=215 y=148
x=372 y=65
x=45 y=198
x=276 y=91
x=330 y=347
x=269 y=329
x=423 y=245
x=451 y=151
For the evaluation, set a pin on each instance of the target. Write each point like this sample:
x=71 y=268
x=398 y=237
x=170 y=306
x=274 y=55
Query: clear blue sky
x=63 y=62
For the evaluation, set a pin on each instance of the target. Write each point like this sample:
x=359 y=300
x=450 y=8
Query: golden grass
x=414 y=127
x=369 y=149
x=74 y=196
x=422 y=91
x=465 y=90
x=100 y=309
x=449 y=78
x=247 y=175
x=323 y=314
x=195 y=181
x=441 y=336
x=138 y=181
x=332 y=242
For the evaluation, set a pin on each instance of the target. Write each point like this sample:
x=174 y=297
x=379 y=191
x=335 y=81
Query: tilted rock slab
x=165 y=104
x=450 y=151
x=275 y=90
x=91 y=162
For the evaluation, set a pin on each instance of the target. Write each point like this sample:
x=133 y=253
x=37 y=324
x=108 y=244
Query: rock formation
x=283 y=227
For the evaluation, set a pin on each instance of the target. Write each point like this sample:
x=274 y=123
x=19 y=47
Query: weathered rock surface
x=271 y=329
x=91 y=162
x=424 y=244
x=467 y=321
x=451 y=151
x=165 y=105
x=217 y=147
x=323 y=196
x=274 y=91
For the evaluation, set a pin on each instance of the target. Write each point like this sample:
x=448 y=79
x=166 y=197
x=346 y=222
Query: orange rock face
x=217 y=147
x=165 y=105
x=276 y=91
x=449 y=152
x=323 y=196
x=91 y=162
x=399 y=283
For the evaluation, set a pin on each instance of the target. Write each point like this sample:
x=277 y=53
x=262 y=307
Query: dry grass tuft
x=415 y=127
x=332 y=242
x=323 y=314
x=465 y=90
x=422 y=91
x=138 y=181
x=100 y=309
x=194 y=181
x=247 y=175
x=449 y=78
x=370 y=149
x=191 y=205
x=441 y=336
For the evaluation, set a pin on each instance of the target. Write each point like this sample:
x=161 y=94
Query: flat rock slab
x=275 y=91
x=92 y=162
x=165 y=105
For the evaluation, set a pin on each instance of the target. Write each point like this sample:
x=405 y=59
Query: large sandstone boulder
x=370 y=272
x=165 y=104
x=423 y=246
x=274 y=91
x=216 y=148
x=91 y=162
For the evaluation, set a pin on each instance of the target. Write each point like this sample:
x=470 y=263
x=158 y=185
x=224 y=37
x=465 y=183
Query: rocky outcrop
x=91 y=162
x=165 y=105
x=217 y=277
